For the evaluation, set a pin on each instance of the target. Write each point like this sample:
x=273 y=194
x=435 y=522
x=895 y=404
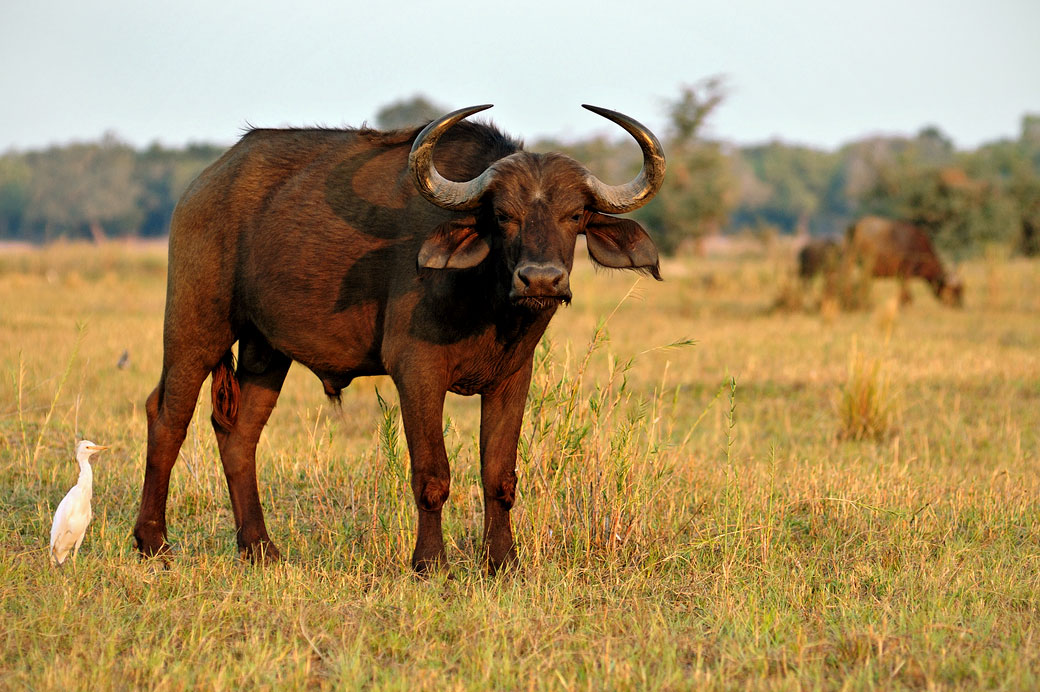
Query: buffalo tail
x=225 y=392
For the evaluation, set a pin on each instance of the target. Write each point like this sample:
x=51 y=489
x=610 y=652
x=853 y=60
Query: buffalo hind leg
x=261 y=372
x=501 y=416
x=169 y=408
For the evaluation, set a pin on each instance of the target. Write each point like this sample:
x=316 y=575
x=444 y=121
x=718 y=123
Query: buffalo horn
x=431 y=184
x=610 y=199
x=618 y=199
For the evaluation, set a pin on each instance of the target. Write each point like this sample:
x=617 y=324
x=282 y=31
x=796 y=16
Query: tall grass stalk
x=584 y=445
x=865 y=402
x=20 y=385
x=733 y=500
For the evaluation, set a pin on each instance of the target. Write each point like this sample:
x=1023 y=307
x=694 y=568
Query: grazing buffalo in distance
x=902 y=250
x=890 y=249
x=436 y=257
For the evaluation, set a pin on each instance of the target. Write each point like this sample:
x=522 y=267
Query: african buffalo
x=902 y=250
x=358 y=252
x=890 y=249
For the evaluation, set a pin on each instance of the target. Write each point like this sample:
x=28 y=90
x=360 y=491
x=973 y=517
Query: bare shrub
x=792 y=295
x=849 y=284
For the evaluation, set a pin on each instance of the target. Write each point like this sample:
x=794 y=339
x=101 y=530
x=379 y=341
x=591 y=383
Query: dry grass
x=687 y=517
x=838 y=288
x=865 y=403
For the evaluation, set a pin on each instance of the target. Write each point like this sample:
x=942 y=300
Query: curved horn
x=617 y=199
x=431 y=184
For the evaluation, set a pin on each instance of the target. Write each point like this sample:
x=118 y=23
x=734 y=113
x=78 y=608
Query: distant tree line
x=965 y=199
x=100 y=189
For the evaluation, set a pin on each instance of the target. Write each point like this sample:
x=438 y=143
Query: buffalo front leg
x=422 y=410
x=501 y=415
x=261 y=372
x=904 y=292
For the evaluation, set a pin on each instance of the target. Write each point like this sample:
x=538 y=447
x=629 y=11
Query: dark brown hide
x=314 y=246
x=901 y=250
x=817 y=256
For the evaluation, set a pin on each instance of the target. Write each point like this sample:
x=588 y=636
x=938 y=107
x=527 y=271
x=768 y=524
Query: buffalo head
x=951 y=291
x=530 y=208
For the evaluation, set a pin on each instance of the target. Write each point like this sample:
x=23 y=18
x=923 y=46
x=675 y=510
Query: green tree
x=785 y=186
x=15 y=177
x=164 y=174
x=933 y=148
x=410 y=112
x=698 y=192
x=1013 y=166
x=689 y=112
x=960 y=213
x=83 y=190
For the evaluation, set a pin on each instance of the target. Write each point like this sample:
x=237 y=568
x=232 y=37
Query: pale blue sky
x=820 y=72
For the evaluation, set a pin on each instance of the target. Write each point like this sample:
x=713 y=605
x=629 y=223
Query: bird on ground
x=73 y=515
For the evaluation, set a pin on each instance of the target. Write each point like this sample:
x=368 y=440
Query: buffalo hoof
x=152 y=544
x=158 y=565
x=261 y=553
x=160 y=559
x=508 y=563
x=429 y=566
x=149 y=537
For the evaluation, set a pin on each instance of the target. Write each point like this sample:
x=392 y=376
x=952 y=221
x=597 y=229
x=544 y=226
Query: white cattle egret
x=73 y=515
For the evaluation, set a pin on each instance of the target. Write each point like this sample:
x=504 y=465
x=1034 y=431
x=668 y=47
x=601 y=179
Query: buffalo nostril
x=541 y=280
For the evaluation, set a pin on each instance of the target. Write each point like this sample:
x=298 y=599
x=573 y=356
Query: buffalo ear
x=620 y=244
x=454 y=244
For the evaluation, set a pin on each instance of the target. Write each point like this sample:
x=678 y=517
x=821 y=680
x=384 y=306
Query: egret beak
x=97 y=448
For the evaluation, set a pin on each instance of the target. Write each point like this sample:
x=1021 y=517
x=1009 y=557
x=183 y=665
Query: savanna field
x=714 y=494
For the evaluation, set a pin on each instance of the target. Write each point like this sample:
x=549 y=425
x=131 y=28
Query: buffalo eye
x=503 y=219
